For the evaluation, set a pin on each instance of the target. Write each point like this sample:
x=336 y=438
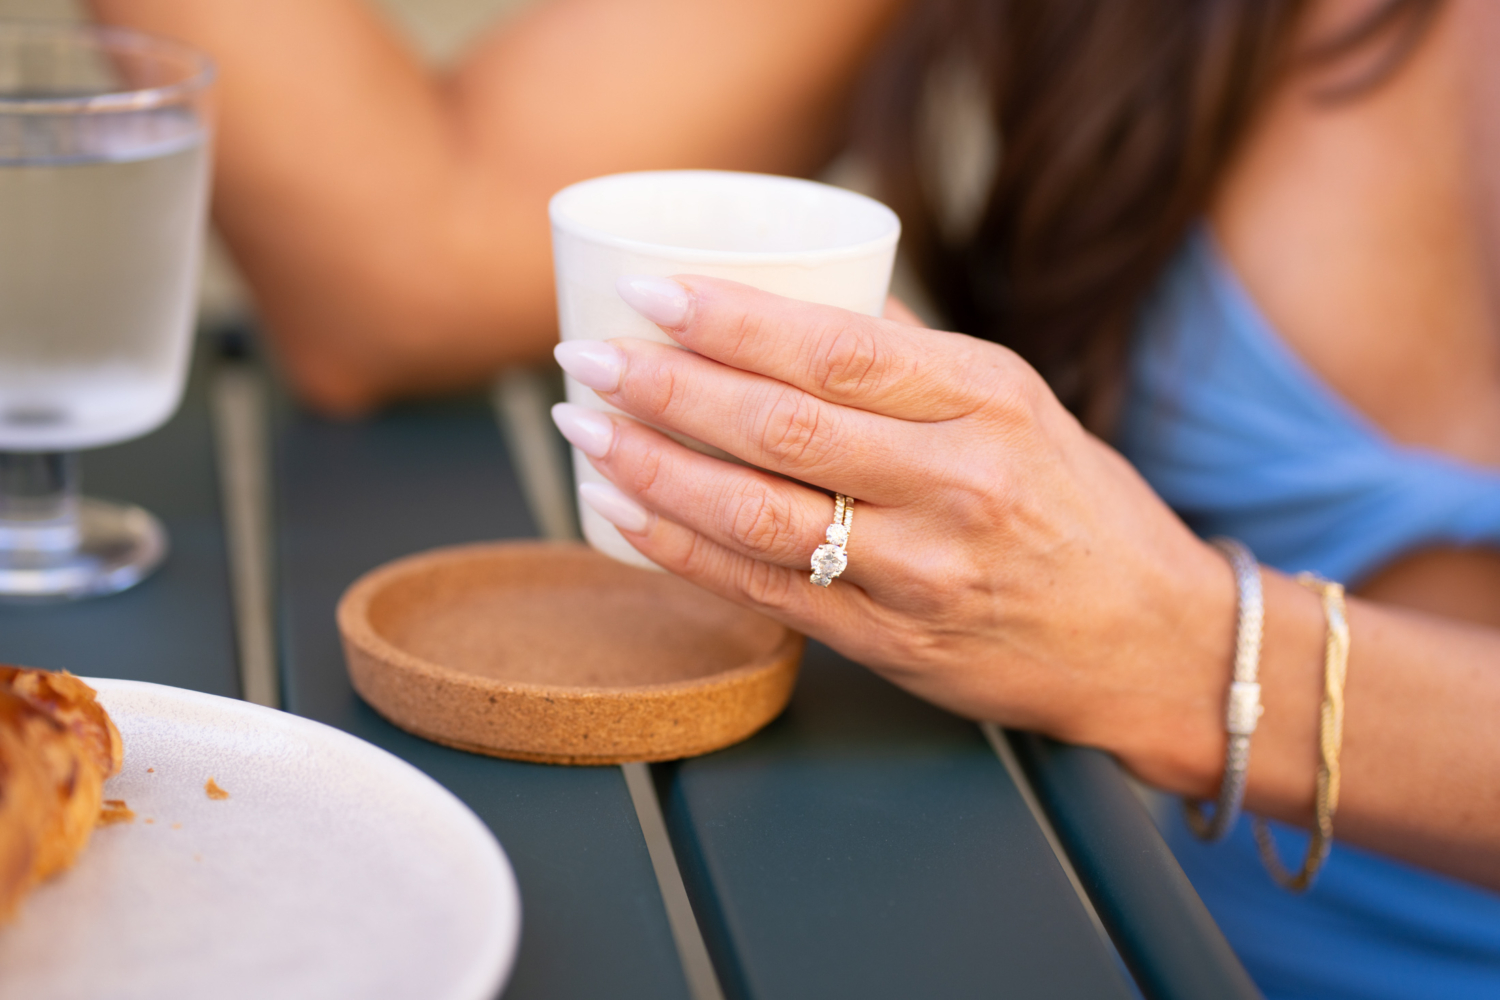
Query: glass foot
x=109 y=547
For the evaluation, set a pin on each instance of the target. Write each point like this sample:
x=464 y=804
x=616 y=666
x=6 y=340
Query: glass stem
x=38 y=504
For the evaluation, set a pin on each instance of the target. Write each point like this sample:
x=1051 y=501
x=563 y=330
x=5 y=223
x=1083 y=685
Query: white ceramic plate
x=333 y=869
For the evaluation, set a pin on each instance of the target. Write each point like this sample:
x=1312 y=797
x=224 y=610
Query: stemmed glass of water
x=104 y=149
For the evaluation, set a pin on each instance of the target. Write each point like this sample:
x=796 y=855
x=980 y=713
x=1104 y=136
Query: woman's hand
x=1005 y=564
x=1002 y=562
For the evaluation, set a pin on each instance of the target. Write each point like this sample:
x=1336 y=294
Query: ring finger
x=748 y=511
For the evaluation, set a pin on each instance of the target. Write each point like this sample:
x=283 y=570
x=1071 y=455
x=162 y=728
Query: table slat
x=1163 y=930
x=869 y=845
x=352 y=496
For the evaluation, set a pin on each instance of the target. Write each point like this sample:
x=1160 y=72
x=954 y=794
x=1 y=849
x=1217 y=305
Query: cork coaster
x=552 y=652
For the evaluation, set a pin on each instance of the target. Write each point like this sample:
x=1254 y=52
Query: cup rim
x=199 y=69
x=696 y=255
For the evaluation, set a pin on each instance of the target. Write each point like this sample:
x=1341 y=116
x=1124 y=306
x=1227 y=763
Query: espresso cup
x=793 y=237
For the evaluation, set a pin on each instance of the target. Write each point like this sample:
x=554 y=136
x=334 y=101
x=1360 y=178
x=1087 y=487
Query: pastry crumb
x=115 y=811
x=211 y=787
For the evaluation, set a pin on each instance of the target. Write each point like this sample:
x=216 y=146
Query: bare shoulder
x=1365 y=230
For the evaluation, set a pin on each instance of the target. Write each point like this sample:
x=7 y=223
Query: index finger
x=843 y=357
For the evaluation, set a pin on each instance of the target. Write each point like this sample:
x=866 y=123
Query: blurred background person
x=389 y=218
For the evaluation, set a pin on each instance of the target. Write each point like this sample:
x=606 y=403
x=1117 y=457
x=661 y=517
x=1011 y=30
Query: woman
x=1288 y=204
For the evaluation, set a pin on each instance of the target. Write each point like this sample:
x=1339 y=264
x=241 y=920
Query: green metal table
x=865 y=844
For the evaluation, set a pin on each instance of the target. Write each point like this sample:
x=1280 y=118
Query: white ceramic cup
x=792 y=237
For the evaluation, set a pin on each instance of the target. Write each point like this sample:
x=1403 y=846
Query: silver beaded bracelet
x=1244 y=708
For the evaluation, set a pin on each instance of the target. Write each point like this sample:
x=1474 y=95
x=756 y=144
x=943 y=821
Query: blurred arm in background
x=391 y=221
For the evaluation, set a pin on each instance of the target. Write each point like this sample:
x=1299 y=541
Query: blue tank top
x=1241 y=438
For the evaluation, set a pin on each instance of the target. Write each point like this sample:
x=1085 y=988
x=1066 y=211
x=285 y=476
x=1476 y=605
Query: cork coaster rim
x=353 y=621
x=531 y=756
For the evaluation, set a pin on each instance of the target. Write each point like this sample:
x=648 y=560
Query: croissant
x=57 y=748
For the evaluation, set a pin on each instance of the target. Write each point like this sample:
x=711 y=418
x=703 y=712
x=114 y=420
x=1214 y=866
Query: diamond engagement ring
x=830 y=559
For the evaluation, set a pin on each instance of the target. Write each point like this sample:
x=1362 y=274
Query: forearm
x=393 y=224
x=1421 y=758
x=1423 y=746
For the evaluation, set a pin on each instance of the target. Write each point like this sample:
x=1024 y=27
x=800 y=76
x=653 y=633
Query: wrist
x=1174 y=736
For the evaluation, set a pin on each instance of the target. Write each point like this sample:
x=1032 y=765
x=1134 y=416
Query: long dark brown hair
x=1105 y=125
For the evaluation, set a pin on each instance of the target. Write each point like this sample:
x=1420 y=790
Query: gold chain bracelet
x=1330 y=741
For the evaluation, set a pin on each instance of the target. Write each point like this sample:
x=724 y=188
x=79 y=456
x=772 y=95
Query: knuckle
x=848 y=359
x=976 y=508
x=914 y=646
x=747 y=329
x=797 y=430
x=645 y=474
x=909 y=645
x=1016 y=390
x=696 y=559
x=761 y=524
x=765 y=585
x=665 y=394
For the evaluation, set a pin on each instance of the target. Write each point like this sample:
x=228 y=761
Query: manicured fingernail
x=615 y=507
x=590 y=431
x=662 y=301
x=593 y=362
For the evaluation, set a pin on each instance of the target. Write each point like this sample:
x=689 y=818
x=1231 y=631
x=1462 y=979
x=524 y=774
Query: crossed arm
x=392 y=221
